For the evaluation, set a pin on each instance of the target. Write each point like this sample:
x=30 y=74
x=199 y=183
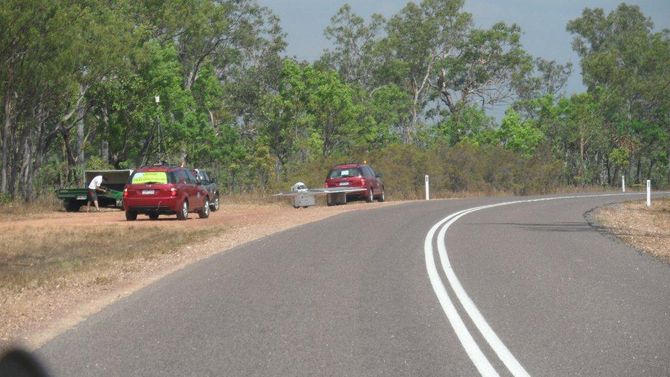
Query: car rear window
x=149 y=177
x=344 y=173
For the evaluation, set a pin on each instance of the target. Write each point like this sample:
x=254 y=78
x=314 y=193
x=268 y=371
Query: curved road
x=518 y=289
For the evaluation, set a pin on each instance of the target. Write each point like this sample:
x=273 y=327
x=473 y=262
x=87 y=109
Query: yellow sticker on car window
x=150 y=177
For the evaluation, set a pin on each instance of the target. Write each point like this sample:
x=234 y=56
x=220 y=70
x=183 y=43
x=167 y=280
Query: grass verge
x=19 y=209
x=34 y=257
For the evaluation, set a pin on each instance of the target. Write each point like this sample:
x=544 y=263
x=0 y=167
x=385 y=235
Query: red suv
x=164 y=190
x=357 y=175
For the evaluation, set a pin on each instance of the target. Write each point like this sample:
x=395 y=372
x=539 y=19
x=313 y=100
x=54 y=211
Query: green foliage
x=472 y=125
x=409 y=94
x=518 y=135
x=96 y=163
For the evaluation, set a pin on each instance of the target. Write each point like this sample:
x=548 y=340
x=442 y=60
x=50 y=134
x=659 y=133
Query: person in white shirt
x=93 y=188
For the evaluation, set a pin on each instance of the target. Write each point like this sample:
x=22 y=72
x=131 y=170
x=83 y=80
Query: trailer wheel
x=131 y=215
x=153 y=216
x=71 y=205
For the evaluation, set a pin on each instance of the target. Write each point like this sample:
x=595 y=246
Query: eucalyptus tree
x=51 y=54
x=354 y=41
x=624 y=66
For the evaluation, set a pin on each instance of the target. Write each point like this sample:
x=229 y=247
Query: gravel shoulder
x=645 y=229
x=38 y=312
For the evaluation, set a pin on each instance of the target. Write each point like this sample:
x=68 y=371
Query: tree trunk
x=81 y=135
x=6 y=141
x=25 y=181
x=104 y=145
x=638 y=169
x=581 y=158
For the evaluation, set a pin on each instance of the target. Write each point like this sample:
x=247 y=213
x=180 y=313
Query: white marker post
x=623 y=184
x=427 y=188
x=648 y=193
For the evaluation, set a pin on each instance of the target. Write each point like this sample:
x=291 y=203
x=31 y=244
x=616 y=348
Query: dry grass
x=646 y=229
x=45 y=257
x=36 y=257
x=19 y=209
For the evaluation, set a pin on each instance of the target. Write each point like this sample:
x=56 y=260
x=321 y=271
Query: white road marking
x=471 y=348
x=478 y=358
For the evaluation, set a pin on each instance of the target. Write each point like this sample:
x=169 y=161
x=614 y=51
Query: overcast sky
x=542 y=22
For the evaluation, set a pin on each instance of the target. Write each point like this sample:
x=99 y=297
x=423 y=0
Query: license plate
x=344 y=183
x=81 y=197
x=148 y=192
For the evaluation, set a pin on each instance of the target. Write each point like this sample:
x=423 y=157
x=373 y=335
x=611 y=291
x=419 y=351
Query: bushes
x=461 y=169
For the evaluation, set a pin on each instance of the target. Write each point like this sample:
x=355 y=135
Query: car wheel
x=381 y=196
x=183 y=212
x=204 y=211
x=214 y=206
x=369 y=197
x=131 y=215
x=153 y=216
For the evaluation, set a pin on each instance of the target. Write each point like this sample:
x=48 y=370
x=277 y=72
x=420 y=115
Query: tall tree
x=624 y=66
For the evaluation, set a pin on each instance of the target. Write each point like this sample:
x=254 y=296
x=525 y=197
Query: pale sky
x=542 y=22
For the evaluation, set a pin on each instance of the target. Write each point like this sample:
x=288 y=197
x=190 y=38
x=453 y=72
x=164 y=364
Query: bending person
x=93 y=189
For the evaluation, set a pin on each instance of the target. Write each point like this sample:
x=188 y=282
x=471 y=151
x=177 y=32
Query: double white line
x=471 y=348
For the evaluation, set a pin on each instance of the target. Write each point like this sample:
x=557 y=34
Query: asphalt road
x=353 y=296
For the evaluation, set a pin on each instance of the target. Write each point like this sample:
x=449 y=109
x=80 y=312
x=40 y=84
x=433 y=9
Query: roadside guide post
x=623 y=183
x=427 y=188
x=648 y=193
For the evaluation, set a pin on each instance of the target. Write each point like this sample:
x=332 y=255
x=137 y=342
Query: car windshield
x=149 y=177
x=344 y=173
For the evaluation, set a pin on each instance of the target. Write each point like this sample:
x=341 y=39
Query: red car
x=164 y=190
x=357 y=175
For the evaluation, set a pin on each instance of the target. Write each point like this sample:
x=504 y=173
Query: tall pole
x=160 y=130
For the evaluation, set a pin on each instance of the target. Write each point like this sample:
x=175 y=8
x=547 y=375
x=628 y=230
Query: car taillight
x=125 y=192
x=173 y=191
x=362 y=181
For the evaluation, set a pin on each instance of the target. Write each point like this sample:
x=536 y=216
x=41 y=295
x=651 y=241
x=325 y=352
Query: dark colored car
x=209 y=184
x=357 y=175
x=164 y=190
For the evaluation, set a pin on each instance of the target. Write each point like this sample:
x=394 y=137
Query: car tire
x=153 y=216
x=204 y=211
x=330 y=201
x=214 y=206
x=381 y=197
x=131 y=215
x=182 y=214
x=369 y=197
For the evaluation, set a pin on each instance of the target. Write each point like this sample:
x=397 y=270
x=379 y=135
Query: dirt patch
x=62 y=267
x=646 y=229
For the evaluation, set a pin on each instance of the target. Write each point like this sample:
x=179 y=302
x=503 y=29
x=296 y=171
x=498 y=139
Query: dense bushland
x=88 y=84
